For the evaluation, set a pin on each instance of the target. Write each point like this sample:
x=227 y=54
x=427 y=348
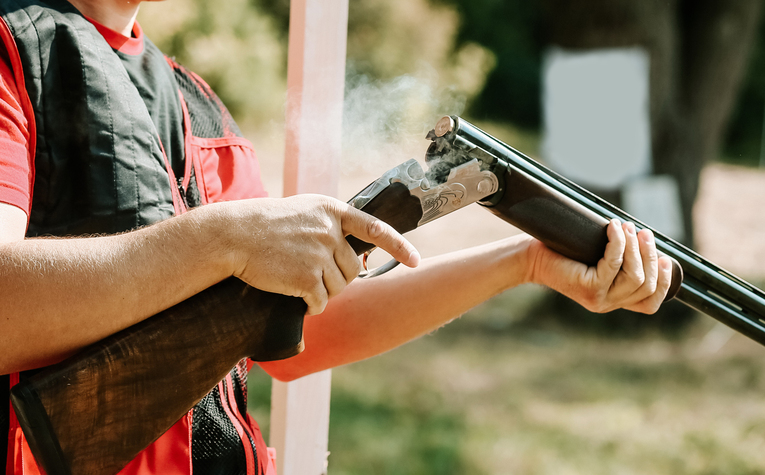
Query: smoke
x=385 y=122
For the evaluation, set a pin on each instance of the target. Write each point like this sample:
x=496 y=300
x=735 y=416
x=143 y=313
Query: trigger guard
x=378 y=271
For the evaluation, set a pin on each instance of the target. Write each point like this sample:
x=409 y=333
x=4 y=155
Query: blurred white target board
x=596 y=115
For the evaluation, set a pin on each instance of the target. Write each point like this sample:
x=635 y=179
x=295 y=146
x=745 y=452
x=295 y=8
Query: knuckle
x=401 y=246
x=652 y=285
x=602 y=307
x=594 y=301
x=637 y=277
x=650 y=307
x=375 y=228
x=320 y=294
x=312 y=281
x=336 y=288
x=325 y=201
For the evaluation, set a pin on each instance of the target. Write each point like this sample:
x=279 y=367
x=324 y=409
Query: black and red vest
x=100 y=167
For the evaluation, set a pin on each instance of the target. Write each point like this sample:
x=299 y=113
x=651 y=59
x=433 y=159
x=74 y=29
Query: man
x=100 y=134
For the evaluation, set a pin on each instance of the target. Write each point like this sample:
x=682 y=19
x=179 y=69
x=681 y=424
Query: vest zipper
x=228 y=408
x=179 y=198
x=182 y=192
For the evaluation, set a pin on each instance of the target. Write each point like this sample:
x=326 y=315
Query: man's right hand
x=296 y=246
x=60 y=295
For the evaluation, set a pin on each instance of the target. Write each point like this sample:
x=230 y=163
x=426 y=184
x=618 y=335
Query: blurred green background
x=526 y=383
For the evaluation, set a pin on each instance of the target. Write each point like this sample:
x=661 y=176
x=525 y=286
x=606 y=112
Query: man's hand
x=630 y=275
x=296 y=246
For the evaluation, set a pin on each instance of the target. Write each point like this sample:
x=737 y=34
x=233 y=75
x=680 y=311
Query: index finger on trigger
x=372 y=230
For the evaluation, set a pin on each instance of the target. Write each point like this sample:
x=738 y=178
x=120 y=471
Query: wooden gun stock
x=94 y=412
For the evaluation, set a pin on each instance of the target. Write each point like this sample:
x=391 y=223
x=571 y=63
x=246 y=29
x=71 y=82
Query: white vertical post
x=315 y=87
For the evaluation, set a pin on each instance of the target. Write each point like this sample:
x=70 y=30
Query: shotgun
x=92 y=413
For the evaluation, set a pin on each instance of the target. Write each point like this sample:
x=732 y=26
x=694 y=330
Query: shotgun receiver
x=92 y=413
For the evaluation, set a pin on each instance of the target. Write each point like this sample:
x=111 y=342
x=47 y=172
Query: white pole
x=315 y=87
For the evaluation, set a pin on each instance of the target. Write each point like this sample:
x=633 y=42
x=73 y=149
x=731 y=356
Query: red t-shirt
x=16 y=168
x=16 y=158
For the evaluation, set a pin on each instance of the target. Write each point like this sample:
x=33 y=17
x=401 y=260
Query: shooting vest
x=100 y=167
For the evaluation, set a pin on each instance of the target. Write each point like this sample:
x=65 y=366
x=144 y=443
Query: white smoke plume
x=385 y=122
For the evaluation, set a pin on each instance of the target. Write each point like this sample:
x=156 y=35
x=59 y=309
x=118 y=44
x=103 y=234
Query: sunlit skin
x=60 y=295
x=118 y=15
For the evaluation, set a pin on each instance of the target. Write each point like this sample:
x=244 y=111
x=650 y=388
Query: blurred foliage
x=233 y=45
x=240 y=47
x=387 y=39
x=513 y=32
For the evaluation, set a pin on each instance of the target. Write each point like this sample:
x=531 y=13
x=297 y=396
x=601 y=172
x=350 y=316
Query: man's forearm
x=62 y=294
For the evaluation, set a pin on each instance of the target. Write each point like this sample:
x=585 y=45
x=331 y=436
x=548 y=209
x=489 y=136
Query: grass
x=494 y=394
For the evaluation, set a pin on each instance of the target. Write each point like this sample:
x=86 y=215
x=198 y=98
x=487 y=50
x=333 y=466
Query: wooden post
x=315 y=88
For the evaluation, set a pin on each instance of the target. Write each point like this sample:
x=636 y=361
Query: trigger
x=368 y=274
x=365 y=258
x=391 y=264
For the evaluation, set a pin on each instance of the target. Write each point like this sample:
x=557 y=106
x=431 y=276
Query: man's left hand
x=630 y=275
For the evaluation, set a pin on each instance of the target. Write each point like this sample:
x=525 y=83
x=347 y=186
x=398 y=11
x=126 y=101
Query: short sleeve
x=16 y=171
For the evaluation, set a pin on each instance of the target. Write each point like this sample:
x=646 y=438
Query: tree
x=699 y=51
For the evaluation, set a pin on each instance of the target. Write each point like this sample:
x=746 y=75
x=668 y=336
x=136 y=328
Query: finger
x=372 y=230
x=652 y=303
x=631 y=277
x=608 y=267
x=627 y=294
x=650 y=263
x=348 y=262
x=334 y=281
x=316 y=299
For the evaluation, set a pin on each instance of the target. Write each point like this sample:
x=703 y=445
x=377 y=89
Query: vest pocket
x=226 y=169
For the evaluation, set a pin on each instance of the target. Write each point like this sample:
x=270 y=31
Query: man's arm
x=376 y=315
x=59 y=295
